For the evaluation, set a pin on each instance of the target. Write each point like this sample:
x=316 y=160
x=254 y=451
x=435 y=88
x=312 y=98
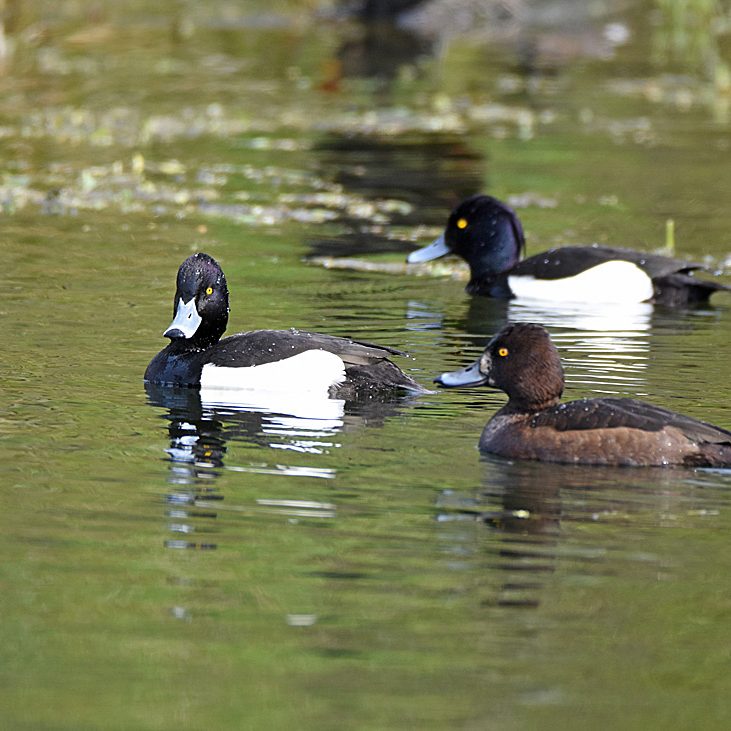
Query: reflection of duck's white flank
x=299 y=508
x=314 y=409
x=302 y=419
x=181 y=448
x=325 y=473
x=301 y=429
x=421 y=316
x=621 y=320
x=610 y=340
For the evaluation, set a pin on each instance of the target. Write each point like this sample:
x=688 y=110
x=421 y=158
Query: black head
x=522 y=361
x=487 y=234
x=200 y=307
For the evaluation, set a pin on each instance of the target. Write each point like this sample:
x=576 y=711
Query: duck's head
x=520 y=360
x=482 y=230
x=200 y=308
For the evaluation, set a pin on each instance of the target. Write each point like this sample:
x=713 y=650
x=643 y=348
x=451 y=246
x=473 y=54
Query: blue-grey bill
x=433 y=251
x=187 y=320
x=469 y=376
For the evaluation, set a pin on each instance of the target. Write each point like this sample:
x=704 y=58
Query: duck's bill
x=436 y=249
x=469 y=376
x=186 y=321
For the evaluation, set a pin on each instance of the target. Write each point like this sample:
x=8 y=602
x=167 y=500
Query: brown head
x=520 y=360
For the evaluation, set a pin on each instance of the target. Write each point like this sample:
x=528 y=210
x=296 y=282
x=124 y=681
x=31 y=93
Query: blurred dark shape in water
x=525 y=505
x=428 y=173
x=542 y=34
x=379 y=9
x=380 y=51
x=516 y=502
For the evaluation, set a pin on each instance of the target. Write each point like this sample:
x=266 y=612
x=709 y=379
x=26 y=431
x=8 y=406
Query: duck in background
x=273 y=361
x=488 y=235
x=522 y=361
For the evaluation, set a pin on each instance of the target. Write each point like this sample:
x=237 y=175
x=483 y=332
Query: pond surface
x=173 y=565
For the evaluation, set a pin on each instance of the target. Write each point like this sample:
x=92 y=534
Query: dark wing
x=266 y=346
x=568 y=261
x=611 y=413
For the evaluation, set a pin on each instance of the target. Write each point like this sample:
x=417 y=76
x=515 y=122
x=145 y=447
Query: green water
x=171 y=566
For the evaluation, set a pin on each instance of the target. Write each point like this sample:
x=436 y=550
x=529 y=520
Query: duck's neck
x=490 y=285
x=495 y=252
x=517 y=405
x=181 y=346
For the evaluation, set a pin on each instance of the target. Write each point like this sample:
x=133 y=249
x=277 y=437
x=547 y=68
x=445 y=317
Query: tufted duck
x=261 y=359
x=487 y=234
x=522 y=361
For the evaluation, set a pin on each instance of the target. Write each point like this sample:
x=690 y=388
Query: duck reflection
x=433 y=171
x=542 y=34
x=202 y=423
x=627 y=320
x=379 y=50
x=524 y=512
x=606 y=347
x=531 y=511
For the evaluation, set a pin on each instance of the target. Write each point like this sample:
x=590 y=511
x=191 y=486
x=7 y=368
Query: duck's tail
x=682 y=290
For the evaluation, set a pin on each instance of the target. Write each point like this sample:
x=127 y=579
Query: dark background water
x=169 y=565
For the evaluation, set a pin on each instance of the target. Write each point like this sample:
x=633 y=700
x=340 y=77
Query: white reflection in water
x=284 y=469
x=299 y=508
x=605 y=345
x=423 y=317
x=611 y=341
x=306 y=447
x=314 y=406
x=301 y=427
x=204 y=424
x=622 y=320
x=297 y=417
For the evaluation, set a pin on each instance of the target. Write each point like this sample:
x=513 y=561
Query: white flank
x=612 y=281
x=313 y=370
x=298 y=385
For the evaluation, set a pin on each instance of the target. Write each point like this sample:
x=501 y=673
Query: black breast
x=175 y=366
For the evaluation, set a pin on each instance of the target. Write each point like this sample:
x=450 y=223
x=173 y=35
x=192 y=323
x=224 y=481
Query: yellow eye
x=502 y=352
x=209 y=290
x=462 y=223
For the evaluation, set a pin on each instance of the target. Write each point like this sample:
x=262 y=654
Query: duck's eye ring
x=502 y=352
x=462 y=223
x=209 y=290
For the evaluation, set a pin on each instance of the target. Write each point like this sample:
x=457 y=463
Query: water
x=168 y=564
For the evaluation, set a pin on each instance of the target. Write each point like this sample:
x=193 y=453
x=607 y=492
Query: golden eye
x=462 y=223
x=502 y=352
x=209 y=290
